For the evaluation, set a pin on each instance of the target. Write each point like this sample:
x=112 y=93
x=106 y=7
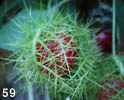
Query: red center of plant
x=105 y=40
x=112 y=88
x=60 y=54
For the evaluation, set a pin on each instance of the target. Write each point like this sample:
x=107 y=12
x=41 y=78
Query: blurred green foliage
x=9 y=8
x=120 y=22
x=120 y=14
x=10 y=11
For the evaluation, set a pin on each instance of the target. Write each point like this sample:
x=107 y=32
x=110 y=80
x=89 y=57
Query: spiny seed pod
x=113 y=87
x=57 y=51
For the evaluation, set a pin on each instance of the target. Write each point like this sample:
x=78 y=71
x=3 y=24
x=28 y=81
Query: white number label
x=6 y=92
x=12 y=92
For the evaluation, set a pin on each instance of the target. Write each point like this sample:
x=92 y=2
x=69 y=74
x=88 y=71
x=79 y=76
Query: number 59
x=6 y=92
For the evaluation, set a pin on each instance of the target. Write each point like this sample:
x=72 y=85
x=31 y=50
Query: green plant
x=90 y=68
x=77 y=82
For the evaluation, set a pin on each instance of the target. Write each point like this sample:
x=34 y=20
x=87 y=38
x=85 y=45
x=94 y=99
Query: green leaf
x=9 y=33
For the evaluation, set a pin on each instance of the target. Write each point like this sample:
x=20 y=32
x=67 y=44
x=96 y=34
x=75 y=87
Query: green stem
x=30 y=92
x=30 y=88
x=47 y=92
x=116 y=59
x=114 y=23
